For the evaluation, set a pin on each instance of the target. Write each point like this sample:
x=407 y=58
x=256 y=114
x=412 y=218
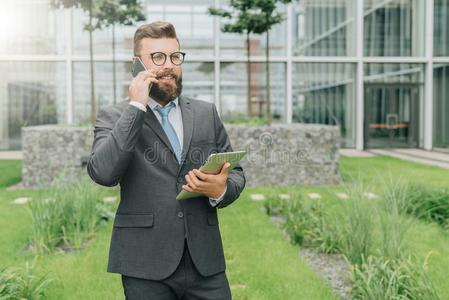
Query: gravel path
x=332 y=268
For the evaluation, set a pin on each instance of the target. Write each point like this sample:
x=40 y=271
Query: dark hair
x=154 y=30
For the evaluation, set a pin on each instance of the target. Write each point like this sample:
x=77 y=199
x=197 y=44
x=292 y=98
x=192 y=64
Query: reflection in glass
x=233 y=90
x=31 y=93
x=394 y=28
x=324 y=28
x=441 y=106
x=441 y=28
x=393 y=73
x=392 y=105
x=324 y=93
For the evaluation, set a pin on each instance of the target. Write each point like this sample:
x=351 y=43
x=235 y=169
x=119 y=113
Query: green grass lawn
x=261 y=264
x=10 y=172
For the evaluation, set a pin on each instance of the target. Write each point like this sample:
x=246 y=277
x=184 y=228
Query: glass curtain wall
x=324 y=93
x=40 y=66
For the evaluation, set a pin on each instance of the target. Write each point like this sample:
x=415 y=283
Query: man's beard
x=167 y=92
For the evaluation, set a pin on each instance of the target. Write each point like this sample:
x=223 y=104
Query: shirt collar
x=153 y=104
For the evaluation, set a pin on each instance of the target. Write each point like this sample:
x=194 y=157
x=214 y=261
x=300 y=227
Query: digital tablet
x=213 y=165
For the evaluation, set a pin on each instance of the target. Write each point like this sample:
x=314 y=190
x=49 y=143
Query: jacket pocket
x=134 y=220
x=212 y=219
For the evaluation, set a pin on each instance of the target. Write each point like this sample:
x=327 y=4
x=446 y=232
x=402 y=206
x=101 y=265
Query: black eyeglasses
x=159 y=58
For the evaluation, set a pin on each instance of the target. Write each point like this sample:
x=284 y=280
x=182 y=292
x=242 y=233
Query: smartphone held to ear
x=138 y=67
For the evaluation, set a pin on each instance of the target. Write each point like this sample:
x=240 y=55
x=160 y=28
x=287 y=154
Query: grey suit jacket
x=130 y=148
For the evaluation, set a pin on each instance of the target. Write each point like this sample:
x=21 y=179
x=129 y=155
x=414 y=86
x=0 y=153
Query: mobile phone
x=138 y=66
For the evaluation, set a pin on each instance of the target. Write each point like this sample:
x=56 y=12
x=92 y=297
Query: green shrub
x=393 y=224
x=23 y=283
x=357 y=222
x=428 y=204
x=274 y=205
x=308 y=225
x=381 y=278
x=67 y=216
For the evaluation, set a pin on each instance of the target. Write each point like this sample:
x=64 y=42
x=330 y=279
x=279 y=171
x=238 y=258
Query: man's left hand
x=210 y=185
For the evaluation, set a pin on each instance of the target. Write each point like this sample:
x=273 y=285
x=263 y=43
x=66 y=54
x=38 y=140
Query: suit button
x=179 y=179
x=180 y=215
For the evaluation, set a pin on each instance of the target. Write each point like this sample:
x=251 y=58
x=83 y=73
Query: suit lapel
x=187 y=124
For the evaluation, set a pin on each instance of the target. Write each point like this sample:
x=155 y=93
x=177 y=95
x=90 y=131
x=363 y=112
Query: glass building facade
x=377 y=68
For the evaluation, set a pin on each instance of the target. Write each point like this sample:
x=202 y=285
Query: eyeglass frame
x=165 y=57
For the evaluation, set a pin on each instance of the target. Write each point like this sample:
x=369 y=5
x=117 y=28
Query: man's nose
x=168 y=64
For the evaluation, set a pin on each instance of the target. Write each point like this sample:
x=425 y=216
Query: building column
x=359 y=102
x=217 y=99
x=289 y=66
x=428 y=81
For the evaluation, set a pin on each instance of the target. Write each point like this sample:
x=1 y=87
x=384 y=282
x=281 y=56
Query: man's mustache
x=165 y=74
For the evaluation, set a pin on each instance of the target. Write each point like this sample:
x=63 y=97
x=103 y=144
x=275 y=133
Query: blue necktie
x=168 y=128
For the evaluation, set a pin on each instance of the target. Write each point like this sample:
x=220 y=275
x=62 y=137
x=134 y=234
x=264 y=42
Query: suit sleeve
x=114 y=142
x=236 y=178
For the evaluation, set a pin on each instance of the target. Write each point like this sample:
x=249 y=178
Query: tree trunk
x=267 y=71
x=93 y=104
x=248 y=77
x=114 y=75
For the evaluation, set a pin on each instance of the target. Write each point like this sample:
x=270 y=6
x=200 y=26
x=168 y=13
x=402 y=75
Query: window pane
x=441 y=28
x=194 y=28
x=441 y=106
x=198 y=81
x=324 y=28
x=234 y=44
x=31 y=27
x=324 y=93
x=31 y=93
x=393 y=105
x=233 y=90
x=394 y=28
x=104 y=92
x=102 y=39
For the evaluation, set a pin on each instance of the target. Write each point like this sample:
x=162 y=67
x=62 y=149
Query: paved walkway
x=11 y=155
x=433 y=158
x=355 y=153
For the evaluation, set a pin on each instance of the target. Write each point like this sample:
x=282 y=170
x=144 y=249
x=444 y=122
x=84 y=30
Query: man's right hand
x=138 y=89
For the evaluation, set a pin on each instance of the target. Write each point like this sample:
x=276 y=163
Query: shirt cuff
x=138 y=105
x=214 y=201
